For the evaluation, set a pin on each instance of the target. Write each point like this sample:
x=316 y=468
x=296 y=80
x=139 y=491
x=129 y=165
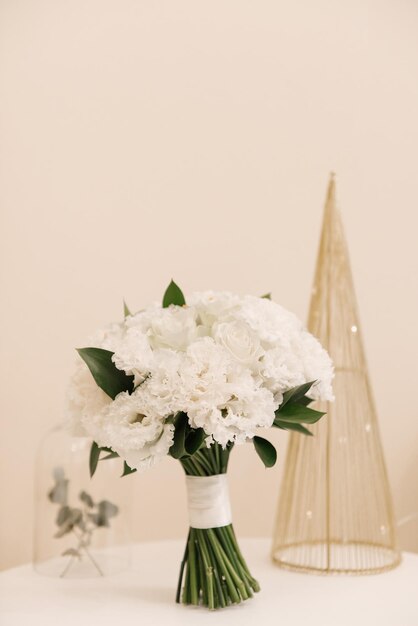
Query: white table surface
x=145 y=595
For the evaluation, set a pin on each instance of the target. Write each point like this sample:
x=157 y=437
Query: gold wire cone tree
x=335 y=512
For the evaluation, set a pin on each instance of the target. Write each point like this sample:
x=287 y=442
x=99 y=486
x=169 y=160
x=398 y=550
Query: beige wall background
x=142 y=140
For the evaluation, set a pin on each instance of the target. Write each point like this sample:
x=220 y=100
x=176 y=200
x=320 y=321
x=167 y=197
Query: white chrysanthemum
x=317 y=366
x=282 y=369
x=247 y=412
x=142 y=319
x=248 y=407
x=84 y=399
x=223 y=359
x=268 y=319
x=301 y=360
x=162 y=390
x=221 y=396
x=133 y=354
x=152 y=453
x=203 y=375
x=108 y=338
x=128 y=427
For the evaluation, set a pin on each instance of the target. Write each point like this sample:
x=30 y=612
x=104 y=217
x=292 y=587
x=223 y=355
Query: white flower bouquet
x=191 y=380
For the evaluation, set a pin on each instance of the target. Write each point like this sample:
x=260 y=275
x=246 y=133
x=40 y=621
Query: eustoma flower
x=191 y=380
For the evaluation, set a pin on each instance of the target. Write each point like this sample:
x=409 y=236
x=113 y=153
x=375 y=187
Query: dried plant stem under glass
x=335 y=511
x=81 y=520
x=76 y=553
x=80 y=526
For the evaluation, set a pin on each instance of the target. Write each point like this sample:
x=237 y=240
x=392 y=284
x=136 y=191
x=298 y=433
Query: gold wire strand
x=335 y=511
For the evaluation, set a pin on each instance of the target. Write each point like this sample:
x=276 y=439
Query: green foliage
x=81 y=518
x=294 y=410
x=298 y=428
x=79 y=521
x=69 y=518
x=265 y=450
x=178 y=448
x=194 y=440
x=213 y=571
x=59 y=492
x=111 y=455
x=107 y=376
x=94 y=458
x=297 y=413
x=127 y=470
x=126 y=311
x=173 y=295
x=104 y=513
x=96 y=451
x=267 y=296
x=296 y=394
x=86 y=499
x=186 y=441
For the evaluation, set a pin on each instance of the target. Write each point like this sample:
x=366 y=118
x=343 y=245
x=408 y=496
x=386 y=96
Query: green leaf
x=299 y=414
x=63 y=515
x=127 y=470
x=194 y=440
x=305 y=401
x=298 y=428
x=178 y=447
x=173 y=295
x=86 y=498
x=111 y=455
x=105 y=372
x=59 y=493
x=73 y=518
x=94 y=458
x=295 y=394
x=96 y=519
x=126 y=311
x=107 y=509
x=265 y=450
x=267 y=296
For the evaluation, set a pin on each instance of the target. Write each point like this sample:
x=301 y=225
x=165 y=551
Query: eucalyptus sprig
x=82 y=520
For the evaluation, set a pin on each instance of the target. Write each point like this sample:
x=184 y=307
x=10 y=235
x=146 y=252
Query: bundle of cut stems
x=213 y=572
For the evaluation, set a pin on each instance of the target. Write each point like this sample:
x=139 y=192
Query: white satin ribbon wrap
x=208 y=501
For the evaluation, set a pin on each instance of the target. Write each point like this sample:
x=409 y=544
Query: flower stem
x=213 y=572
x=208 y=568
x=194 y=595
x=182 y=566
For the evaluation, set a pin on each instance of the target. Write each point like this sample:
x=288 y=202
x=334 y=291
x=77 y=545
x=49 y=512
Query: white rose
x=174 y=327
x=240 y=341
x=211 y=306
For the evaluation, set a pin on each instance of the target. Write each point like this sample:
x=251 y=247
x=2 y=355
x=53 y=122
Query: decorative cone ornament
x=335 y=511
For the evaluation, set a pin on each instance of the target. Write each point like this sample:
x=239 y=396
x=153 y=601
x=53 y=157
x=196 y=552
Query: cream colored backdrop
x=148 y=139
